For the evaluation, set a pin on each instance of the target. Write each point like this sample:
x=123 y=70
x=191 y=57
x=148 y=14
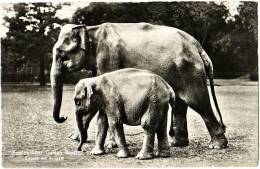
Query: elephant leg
x=75 y=135
x=148 y=146
x=111 y=143
x=163 y=144
x=201 y=104
x=180 y=132
x=150 y=122
x=102 y=127
x=118 y=132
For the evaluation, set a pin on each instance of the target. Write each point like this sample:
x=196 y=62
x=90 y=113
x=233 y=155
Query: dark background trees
x=30 y=38
x=230 y=42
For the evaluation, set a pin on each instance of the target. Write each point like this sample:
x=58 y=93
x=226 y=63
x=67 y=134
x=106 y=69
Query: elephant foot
x=144 y=155
x=123 y=154
x=97 y=151
x=111 y=144
x=74 y=136
x=218 y=143
x=79 y=147
x=179 y=142
x=163 y=153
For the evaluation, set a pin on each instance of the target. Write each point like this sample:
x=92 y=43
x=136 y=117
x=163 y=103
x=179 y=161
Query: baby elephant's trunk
x=82 y=130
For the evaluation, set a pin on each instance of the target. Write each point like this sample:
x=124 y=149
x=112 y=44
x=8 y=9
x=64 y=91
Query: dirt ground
x=31 y=138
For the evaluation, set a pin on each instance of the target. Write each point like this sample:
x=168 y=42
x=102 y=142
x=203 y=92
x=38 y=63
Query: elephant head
x=87 y=104
x=69 y=54
x=84 y=96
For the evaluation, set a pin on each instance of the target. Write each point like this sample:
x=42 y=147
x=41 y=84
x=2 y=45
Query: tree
x=235 y=51
x=32 y=34
x=247 y=19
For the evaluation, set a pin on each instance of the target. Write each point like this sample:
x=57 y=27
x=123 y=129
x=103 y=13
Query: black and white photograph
x=127 y=84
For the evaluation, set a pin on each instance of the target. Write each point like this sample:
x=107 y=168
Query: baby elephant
x=127 y=96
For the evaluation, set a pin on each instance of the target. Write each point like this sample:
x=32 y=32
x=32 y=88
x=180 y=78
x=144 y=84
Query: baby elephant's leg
x=117 y=131
x=149 y=123
x=102 y=126
x=163 y=144
x=148 y=145
x=111 y=143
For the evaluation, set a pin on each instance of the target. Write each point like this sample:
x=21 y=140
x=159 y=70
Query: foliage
x=31 y=35
x=194 y=18
x=237 y=47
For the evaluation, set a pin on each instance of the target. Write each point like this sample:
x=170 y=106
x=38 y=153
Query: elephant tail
x=209 y=70
x=172 y=103
x=171 y=131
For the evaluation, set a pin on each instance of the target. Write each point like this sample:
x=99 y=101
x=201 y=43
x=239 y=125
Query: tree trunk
x=42 y=68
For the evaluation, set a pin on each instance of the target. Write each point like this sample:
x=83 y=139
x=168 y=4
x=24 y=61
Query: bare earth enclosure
x=31 y=138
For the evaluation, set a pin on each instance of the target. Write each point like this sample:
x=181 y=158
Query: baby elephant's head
x=85 y=100
x=82 y=97
x=87 y=104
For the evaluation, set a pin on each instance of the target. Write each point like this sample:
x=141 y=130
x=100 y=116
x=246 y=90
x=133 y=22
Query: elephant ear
x=88 y=93
x=80 y=31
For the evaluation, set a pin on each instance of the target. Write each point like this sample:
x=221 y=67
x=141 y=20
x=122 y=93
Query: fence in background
x=17 y=75
x=30 y=75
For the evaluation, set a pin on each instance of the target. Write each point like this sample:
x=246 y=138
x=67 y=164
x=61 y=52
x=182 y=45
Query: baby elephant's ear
x=88 y=93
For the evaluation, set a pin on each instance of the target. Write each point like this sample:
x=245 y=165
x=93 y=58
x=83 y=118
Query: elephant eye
x=74 y=39
x=77 y=101
x=66 y=41
x=74 y=35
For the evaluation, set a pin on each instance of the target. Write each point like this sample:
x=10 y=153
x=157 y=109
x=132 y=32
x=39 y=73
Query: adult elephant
x=169 y=52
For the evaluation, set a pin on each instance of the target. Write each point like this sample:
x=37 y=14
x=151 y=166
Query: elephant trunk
x=56 y=78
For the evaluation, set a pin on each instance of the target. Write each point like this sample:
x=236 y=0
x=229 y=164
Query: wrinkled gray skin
x=169 y=52
x=126 y=96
